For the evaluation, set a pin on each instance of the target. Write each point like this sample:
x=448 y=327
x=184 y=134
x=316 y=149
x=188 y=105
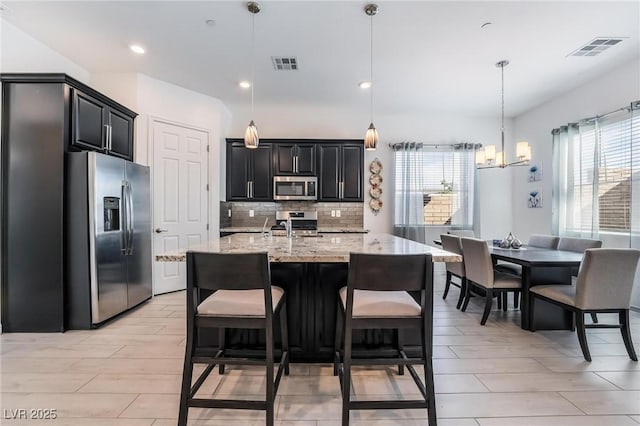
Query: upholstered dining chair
x=453 y=244
x=241 y=297
x=377 y=296
x=479 y=271
x=604 y=284
x=467 y=233
x=579 y=245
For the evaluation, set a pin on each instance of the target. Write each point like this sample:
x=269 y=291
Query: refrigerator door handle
x=130 y=219
x=123 y=218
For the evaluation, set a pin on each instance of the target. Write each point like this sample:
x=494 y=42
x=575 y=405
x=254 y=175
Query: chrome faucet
x=287 y=227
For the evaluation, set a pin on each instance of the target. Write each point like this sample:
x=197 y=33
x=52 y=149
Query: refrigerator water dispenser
x=111 y=214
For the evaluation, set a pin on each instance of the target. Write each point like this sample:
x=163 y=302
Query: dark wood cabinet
x=249 y=172
x=295 y=159
x=43 y=117
x=101 y=127
x=340 y=167
x=338 y=164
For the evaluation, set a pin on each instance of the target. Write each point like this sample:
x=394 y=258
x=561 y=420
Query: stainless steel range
x=303 y=223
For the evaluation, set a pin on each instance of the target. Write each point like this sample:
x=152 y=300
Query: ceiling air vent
x=596 y=46
x=281 y=63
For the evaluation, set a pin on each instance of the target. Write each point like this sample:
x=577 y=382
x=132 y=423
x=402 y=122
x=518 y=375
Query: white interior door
x=180 y=206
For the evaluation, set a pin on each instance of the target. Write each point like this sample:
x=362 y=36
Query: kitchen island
x=312 y=270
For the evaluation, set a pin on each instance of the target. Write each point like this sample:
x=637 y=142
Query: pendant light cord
x=502 y=112
x=253 y=58
x=371 y=72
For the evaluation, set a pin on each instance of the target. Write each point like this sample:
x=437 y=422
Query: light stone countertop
x=321 y=249
x=322 y=229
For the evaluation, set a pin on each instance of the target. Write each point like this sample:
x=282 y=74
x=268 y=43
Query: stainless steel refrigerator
x=108 y=237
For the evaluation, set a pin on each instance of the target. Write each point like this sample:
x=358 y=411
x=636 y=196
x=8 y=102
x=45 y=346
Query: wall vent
x=285 y=63
x=596 y=46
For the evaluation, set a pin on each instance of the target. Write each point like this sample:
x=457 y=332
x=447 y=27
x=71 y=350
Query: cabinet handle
x=341 y=195
x=109 y=132
x=295 y=164
x=251 y=189
x=248 y=193
x=105 y=143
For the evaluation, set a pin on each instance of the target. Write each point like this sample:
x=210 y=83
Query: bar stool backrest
x=382 y=272
x=228 y=271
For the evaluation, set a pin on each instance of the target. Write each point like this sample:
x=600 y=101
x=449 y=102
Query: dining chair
x=479 y=271
x=241 y=296
x=452 y=243
x=377 y=297
x=467 y=233
x=579 y=245
x=604 y=284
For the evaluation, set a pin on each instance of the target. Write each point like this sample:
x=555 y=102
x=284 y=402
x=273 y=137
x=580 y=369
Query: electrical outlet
x=333 y=213
x=229 y=212
x=251 y=213
x=337 y=213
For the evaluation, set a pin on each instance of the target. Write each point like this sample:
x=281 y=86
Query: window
x=595 y=166
x=434 y=186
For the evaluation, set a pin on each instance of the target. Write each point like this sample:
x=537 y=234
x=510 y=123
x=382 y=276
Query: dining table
x=549 y=267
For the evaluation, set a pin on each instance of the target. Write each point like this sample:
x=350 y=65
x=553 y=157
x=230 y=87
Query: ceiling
x=428 y=56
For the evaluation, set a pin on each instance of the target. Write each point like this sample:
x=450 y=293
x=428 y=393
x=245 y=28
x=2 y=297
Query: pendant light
x=251 y=139
x=371 y=137
x=487 y=158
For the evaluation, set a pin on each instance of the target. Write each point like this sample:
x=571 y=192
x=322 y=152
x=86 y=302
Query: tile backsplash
x=350 y=213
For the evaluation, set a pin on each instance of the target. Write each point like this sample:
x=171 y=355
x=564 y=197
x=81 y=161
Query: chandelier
x=488 y=158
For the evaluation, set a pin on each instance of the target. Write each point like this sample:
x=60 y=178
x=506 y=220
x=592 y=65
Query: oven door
x=294 y=188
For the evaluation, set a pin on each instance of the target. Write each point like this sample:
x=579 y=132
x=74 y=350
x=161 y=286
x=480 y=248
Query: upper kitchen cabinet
x=340 y=167
x=295 y=159
x=101 y=126
x=249 y=172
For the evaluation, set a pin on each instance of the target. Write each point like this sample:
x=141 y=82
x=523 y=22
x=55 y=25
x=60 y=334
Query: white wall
x=607 y=93
x=310 y=121
x=155 y=99
x=22 y=53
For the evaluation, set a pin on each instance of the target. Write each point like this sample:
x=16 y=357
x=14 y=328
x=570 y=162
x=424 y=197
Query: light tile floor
x=127 y=373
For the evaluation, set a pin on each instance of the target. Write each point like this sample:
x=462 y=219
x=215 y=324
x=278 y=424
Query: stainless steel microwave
x=295 y=188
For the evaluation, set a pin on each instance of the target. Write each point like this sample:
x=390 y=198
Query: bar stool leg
x=346 y=374
x=399 y=345
x=222 y=336
x=337 y=343
x=187 y=374
x=626 y=334
x=428 y=380
x=284 y=331
x=270 y=383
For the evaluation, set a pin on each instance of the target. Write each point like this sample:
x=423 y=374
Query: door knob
x=159 y=230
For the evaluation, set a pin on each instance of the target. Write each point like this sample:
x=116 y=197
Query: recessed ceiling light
x=136 y=48
x=210 y=22
x=244 y=84
x=364 y=84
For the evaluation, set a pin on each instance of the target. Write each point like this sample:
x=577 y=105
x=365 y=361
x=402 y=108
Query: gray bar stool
x=453 y=244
